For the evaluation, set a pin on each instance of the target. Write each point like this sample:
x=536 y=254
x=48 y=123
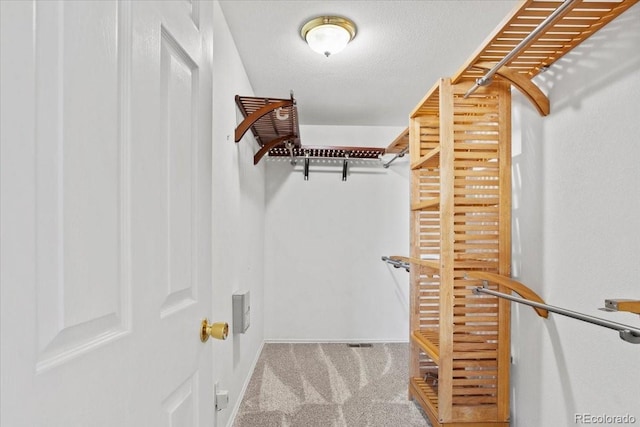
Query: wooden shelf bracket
x=512 y=285
x=526 y=86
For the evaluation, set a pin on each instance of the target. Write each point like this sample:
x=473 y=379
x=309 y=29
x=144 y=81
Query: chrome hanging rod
x=396 y=263
x=627 y=333
x=400 y=154
x=488 y=77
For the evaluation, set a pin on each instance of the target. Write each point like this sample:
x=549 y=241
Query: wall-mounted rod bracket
x=400 y=154
x=632 y=306
x=345 y=167
x=396 y=263
x=306 y=167
x=346 y=156
x=289 y=146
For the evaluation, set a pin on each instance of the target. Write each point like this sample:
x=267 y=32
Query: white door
x=105 y=213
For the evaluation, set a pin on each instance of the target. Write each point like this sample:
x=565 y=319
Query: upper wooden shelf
x=400 y=144
x=430 y=103
x=268 y=118
x=274 y=124
x=580 y=20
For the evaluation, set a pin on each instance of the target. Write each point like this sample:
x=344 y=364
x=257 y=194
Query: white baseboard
x=236 y=407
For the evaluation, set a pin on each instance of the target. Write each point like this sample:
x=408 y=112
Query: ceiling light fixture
x=328 y=35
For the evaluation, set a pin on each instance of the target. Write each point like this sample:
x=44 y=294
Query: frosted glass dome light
x=328 y=35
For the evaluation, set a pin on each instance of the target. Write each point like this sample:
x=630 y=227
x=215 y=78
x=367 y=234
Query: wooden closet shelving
x=427 y=204
x=329 y=152
x=460 y=161
x=275 y=127
x=400 y=144
x=460 y=199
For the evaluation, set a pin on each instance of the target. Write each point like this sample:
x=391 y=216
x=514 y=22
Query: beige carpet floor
x=330 y=385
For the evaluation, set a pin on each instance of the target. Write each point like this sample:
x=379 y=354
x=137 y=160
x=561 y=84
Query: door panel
x=82 y=181
x=106 y=210
x=179 y=93
x=181 y=406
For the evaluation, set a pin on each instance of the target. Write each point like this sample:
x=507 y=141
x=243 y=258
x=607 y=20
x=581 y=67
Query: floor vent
x=358 y=345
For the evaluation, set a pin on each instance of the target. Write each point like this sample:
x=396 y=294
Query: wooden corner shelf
x=428 y=340
x=431 y=159
x=431 y=203
x=400 y=144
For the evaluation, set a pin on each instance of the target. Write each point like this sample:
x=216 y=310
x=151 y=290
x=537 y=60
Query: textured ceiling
x=402 y=47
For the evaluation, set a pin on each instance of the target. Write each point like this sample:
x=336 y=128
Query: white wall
x=238 y=221
x=577 y=231
x=324 y=238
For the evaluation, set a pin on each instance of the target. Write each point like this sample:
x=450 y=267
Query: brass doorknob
x=217 y=330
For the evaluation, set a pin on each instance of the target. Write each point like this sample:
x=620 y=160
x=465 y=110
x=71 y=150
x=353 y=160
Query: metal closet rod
x=486 y=79
x=627 y=333
x=396 y=263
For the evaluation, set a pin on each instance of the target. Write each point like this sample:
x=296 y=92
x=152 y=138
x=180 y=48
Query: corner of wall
x=238 y=210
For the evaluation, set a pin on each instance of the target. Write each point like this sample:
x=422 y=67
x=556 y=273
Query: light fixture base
x=328 y=34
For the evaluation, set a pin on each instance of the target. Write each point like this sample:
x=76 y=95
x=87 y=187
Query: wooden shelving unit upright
x=461 y=218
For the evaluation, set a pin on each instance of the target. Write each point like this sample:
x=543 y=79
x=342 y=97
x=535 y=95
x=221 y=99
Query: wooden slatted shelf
x=431 y=159
x=430 y=103
x=274 y=124
x=400 y=144
x=427 y=396
x=431 y=203
x=268 y=119
x=428 y=340
x=321 y=151
x=579 y=21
